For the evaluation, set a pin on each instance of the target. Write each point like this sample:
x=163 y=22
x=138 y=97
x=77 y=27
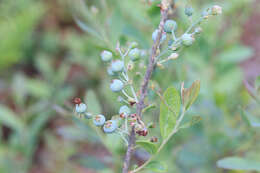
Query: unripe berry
x=155 y=33
x=188 y=10
x=116 y=85
x=134 y=54
x=215 y=10
x=133 y=44
x=110 y=126
x=110 y=71
x=106 y=55
x=117 y=66
x=124 y=110
x=173 y=56
x=205 y=14
x=88 y=115
x=99 y=120
x=198 y=30
x=81 y=108
x=169 y=26
x=187 y=39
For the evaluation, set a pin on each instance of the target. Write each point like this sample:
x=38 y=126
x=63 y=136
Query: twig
x=143 y=91
x=174 y=131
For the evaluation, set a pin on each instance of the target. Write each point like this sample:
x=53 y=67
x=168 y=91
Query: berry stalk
x=144 y=87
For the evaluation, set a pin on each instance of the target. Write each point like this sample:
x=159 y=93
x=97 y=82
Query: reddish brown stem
x=144 y=87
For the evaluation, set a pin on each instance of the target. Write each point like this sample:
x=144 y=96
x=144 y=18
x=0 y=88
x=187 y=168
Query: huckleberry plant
x=173 y=105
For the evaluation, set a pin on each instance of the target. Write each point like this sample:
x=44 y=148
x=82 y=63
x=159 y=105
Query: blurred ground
x=251 y=37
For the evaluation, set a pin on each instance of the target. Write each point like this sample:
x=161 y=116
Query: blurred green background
x=49 y=54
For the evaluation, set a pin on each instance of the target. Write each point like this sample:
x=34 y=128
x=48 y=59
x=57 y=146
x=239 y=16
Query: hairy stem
x=144 y=87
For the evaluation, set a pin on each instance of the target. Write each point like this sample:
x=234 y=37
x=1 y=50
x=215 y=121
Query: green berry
x=169 y=26
x=133 y=44
x=110 y=126
x=188 y=10
x=134 y=54
x=198 y=30
x=81 y=108
x=110 y=71
x=116 y=85
x=117 y=66
x=88 y=115
x=99 y=120
x=124 y=110
x=155 y=33
x=215 y=10
x=106 y=55
x=187 y=39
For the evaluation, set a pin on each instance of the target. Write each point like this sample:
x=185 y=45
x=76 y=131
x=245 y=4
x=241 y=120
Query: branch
x=144 y=87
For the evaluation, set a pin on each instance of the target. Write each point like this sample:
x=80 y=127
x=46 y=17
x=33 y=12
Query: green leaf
x=157 y=166
x=245 y=118
x=85 y=27
x=194 y=120
x=250 y=120
x=93 y=105
x=236 y=54
x=229 y=82
x=89 y=161
x=10 y=119
x=148 y=146
x=169 y=111
x=38 y=88
x=189 y=95
x=238 y=163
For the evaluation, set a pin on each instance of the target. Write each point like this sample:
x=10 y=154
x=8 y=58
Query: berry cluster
x=122 y=62
x=99 y=120
x=121 y=83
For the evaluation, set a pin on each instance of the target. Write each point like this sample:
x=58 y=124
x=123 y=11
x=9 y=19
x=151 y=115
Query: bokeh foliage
x=49 y=53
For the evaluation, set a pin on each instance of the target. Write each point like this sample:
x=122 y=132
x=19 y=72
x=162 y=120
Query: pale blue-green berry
x=99 y=120
x=198 y=30
x=134 y=44
x=116 y=85
x=155 y=33
x=187 y=39
x=81 y=108
x=215 y=10
x=106 y=55
x=87 y=115
x=110 y=126
x=205 y=14
x=169 y=26
x=117 y=66
x=134 y=54
x=110 y=71
x=188 y=10
x=124 y=110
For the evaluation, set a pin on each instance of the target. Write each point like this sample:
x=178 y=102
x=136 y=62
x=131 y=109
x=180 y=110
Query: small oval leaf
x=147 y=145
x=238 y=163
x=169 y=111
x=157 y=166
